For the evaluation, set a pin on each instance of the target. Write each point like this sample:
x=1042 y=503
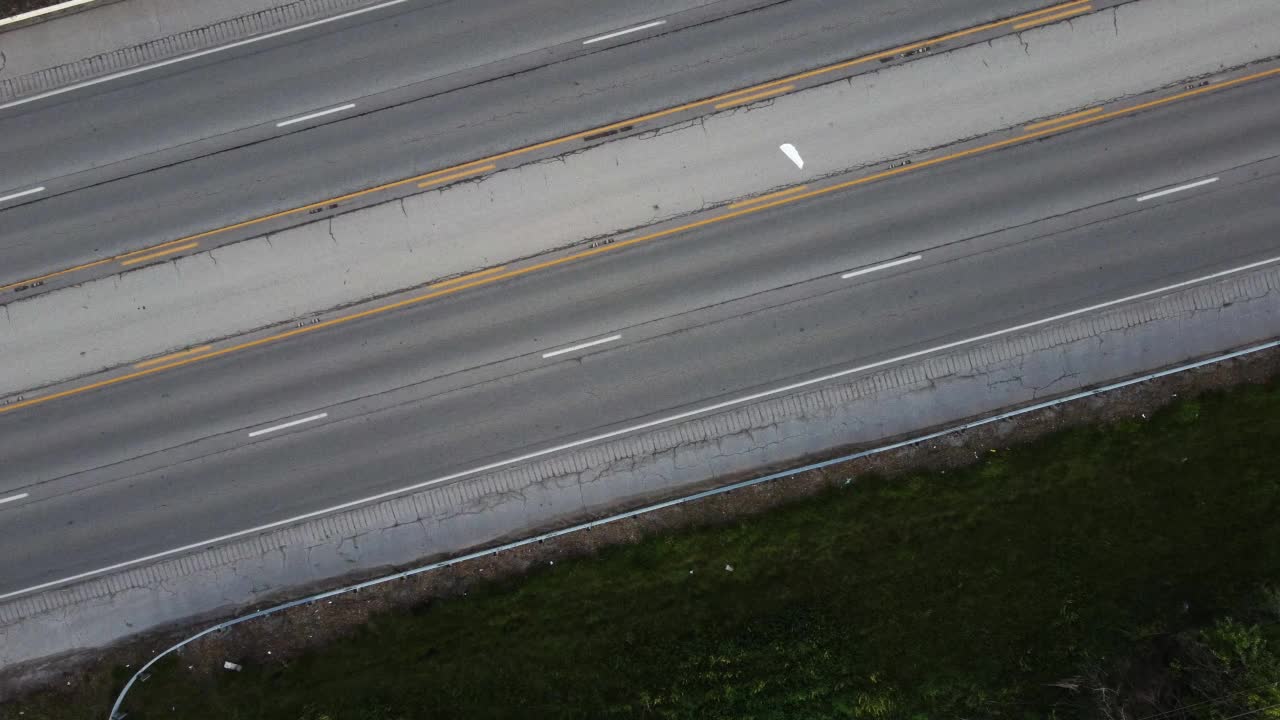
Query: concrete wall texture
x=861 y=409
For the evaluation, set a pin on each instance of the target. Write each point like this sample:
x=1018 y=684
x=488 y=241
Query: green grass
x=957 y=594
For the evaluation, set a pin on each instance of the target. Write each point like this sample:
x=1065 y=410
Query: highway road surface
x=906 y=265
x=263 y=128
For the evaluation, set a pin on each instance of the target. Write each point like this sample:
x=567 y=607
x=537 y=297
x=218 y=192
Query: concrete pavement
x=756 y=337
x=624 y=184
x=36 y=630
x=464 y=380
x=215 y=103
x=107 y=36
x=415 y=91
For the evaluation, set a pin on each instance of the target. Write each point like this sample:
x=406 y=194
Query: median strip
x=613 y=246
x=432 y=178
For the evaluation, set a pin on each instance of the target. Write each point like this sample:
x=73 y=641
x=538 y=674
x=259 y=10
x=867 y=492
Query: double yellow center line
x=135 y=259
x=1049 y=16
x=477 y=167
x=764 y=202
x=1059 y=120
x=745 y=99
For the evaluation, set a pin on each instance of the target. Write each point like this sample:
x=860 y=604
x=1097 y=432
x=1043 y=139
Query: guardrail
x=115 y=709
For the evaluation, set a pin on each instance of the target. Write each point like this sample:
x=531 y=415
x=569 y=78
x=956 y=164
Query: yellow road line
x=569 y=138
x=152 y=256
x=770 y=196
x=498 y=277
x=758 y=96
x=472 y=276
x=744 y=91
x=1048 y=11
x=174 y=356
x=1064 y=118
x=457 y=176
x=1053 y=18
x=49 y=276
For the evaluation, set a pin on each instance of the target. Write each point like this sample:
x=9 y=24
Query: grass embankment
x=1103 y=557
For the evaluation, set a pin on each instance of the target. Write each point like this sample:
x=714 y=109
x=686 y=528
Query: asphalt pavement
x=189 y=148
x=771 y=298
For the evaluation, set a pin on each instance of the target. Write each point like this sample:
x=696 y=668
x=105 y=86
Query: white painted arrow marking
x=794 y=155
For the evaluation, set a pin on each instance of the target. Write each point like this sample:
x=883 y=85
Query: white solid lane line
x=202 y=53
x=562 y=351
x=881 y=266
x=289 y=424
x=1180 y=188
x=24 y=193
x=12 y=498
x=642 y=426
x=315 y=115
x=619 y=33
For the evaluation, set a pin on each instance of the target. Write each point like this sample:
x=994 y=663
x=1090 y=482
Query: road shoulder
x=861 y=410
x=119 y=36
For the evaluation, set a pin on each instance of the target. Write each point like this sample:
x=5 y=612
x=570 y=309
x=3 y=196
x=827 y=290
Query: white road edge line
x=315 y=115
x=562 y=351
x=613 y=35
x=881 y=266
x=1180 y=188
x=641 y=426
x=12 y=498
x=289 y=424
x=24 y=193
x=194 y=55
